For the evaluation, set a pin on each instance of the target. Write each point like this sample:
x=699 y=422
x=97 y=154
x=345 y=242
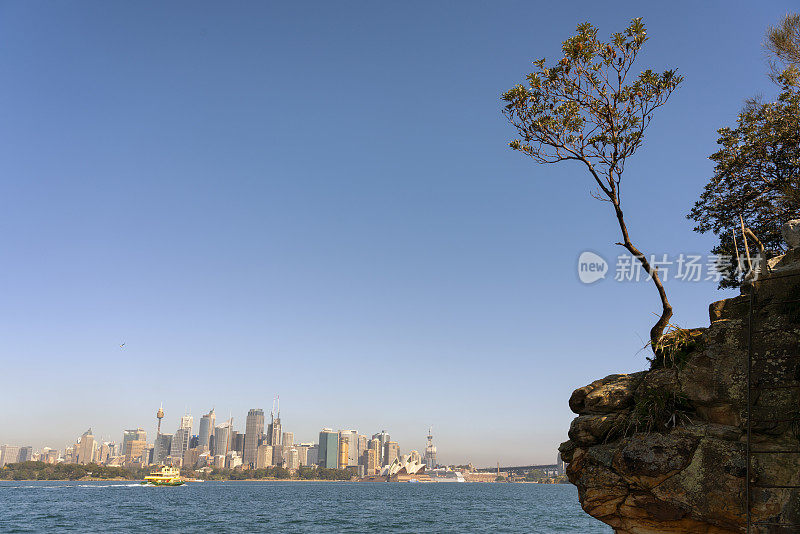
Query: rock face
x=791 y=233
x=664 y=450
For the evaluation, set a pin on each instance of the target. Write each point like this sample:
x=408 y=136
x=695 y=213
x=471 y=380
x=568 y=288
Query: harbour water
x=245 y=507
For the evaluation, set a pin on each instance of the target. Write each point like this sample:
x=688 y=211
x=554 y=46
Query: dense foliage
x=756 y=177
x=43 y=471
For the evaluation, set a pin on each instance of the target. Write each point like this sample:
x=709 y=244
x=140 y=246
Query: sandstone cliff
x=664 y=450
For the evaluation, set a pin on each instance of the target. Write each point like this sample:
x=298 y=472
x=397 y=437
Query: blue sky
x=317 y=199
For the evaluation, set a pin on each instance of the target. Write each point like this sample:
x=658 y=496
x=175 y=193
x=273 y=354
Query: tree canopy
x=591 y=107
x=756 y=180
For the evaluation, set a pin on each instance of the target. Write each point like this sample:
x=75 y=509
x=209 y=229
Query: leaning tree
x=591 y=108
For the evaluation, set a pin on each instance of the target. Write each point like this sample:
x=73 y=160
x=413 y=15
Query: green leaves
x=583 y=107
x=756 y=175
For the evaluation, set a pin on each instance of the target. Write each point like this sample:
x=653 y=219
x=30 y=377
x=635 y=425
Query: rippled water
x=292 y=507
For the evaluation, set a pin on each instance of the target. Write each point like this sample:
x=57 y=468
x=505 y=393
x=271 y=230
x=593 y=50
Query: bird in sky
x=122 y=345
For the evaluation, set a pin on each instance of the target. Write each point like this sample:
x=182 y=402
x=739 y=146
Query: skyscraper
x=222 y=438
x=206 y=433
x=392 y=452
x=383 y=438
x=430 y=451
x=351 y=438
x=375 y=446
x=254 y=430
x=274 y=429
x=263 y=456
x=25 y=454
x=344 y=446
x=328 y=453
x=86 y=448
x=132 y=435
x=287 y=439
x=9 y=454
x=161 y=448
x=180 y=440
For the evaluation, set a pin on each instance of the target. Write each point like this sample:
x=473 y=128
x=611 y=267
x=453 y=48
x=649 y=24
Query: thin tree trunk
x=666 y=309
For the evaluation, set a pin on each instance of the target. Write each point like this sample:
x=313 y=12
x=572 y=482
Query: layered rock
x=664 y=450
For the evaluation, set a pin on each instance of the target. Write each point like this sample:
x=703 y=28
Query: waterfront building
x=392 y=452
x=219 y=461
x=264 y=456
x=328 y=453
x=344 y=450
x=254 y=430
x=205 y=435
x=161 y=448
x=9 y=454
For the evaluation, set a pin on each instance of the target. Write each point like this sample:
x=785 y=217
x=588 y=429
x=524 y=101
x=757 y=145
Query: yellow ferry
x=166 y=476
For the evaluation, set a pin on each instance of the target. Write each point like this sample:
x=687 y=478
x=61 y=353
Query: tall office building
x=25 y=454
x=180 y=440
x=383 y=438
x=9 y=454
x=254 y=430
x=287 y=439
x=263 y=456
x=430 y=451
x=86 y=448
x=132 y=435
x=133 y=450
x=161 y=448
x=274 y=428
x=392 y=452
x=351 y=438
x=343 y=452
x=328 y=452
x=222 y=438
x=370 y=465
x=312 y=454
x=291 y=458
x=374 y=445
x=206 y=434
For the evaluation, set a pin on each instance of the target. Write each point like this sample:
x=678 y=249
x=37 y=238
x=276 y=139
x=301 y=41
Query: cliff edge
x=665 y=450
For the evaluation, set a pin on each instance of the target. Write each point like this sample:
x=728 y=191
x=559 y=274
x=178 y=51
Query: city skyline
x=185 y=422
x=326 y=206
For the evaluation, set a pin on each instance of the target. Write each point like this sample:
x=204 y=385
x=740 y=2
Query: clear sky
x=317 y=199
